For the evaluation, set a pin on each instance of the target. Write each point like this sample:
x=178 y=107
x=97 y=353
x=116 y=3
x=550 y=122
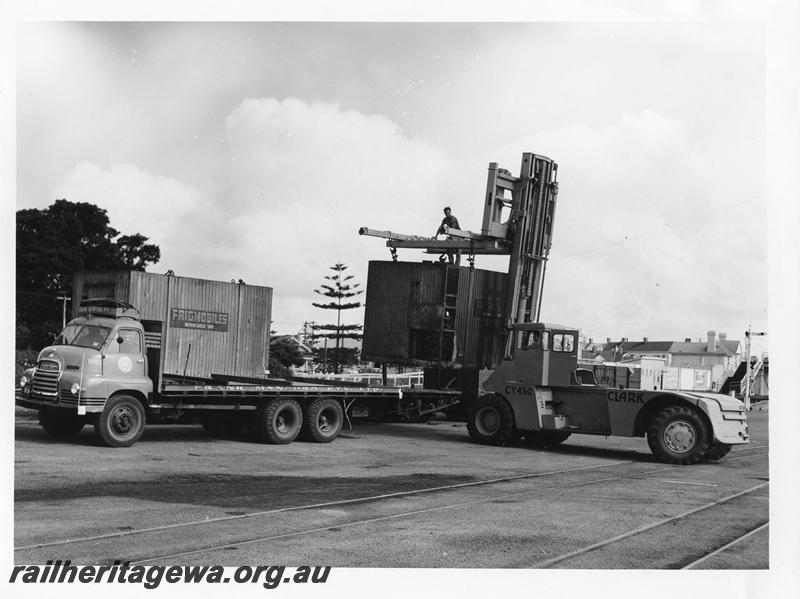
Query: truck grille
x=68 y=400
x=45 y=378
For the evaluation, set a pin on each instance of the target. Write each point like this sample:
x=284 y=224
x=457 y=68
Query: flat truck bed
x=274 y=413
x=359 y=402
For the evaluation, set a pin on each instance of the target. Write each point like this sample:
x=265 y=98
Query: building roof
x=646 y=346
x=725 y=348
x=614 y=350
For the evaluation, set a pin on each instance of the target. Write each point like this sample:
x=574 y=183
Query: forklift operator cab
x=544 y=355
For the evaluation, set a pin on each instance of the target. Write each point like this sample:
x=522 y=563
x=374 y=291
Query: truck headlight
x=23 y=382
x=75 y=388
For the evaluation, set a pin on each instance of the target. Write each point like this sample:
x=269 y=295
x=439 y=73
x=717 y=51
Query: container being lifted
x=149 y=347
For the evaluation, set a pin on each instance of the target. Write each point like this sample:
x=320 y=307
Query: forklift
x=538 y=395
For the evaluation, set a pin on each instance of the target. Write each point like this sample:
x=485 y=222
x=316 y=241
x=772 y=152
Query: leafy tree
x=284 y=352
x=278 y=370
x=339 y=290
x=135 y=252
x=55 y=242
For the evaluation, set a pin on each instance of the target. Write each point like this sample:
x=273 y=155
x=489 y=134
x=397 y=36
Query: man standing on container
x=449 y=222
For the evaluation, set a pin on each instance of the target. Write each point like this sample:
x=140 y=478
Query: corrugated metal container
x=431 y=313
x=201 y=327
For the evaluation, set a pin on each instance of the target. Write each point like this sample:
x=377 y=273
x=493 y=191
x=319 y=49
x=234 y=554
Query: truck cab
x=98 y=356
x=543 y=355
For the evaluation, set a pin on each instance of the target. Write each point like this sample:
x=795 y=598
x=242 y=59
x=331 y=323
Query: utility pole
x=64 y=299
x=748 y=334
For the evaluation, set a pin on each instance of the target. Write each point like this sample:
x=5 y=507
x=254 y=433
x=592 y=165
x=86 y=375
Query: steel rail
x=417 y=492
x=326 y=504
x=342 y=502
x=459 y=504
x=584 y=550
x=729 y=458
x=719 y=550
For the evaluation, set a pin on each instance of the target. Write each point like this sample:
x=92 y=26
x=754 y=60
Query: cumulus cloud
x=301 y=178
x=298 y=181
x=645 y=244
x=640 y=231
x=171 y=214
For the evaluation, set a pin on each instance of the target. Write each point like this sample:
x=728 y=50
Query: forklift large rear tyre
x=678 y=435
x=491 y=421
x=280 y=421
x=61 y=424
x=322 y=420
x=121 y=422
x=717 y=451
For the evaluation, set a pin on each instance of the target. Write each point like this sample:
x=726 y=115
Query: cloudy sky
x=256 y=151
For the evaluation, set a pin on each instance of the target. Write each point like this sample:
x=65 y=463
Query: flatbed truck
x=100 y=371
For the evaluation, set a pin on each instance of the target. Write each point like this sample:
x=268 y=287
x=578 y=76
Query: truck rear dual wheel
x=279 y=421
x=491 y=421
x=60 y=424
x=678 y=435
x=323 y=420
x=121 y=422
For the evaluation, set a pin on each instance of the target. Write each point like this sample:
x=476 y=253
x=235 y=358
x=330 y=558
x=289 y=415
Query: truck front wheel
x=678 y=435
x=491 y=421
x=322 y=420
x=121 y=422
x=280 y=421
x=61 y=425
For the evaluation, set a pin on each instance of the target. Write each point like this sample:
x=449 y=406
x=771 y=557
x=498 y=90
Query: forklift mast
x=517 y=221
x=530 y=229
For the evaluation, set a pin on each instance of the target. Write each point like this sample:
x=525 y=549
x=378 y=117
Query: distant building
x=700 y=365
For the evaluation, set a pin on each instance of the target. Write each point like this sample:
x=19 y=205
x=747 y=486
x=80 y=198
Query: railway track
x=703 y=560
x=641 y=547
x=182 y=541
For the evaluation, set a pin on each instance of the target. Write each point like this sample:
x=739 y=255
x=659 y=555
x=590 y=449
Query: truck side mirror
x=120 y=340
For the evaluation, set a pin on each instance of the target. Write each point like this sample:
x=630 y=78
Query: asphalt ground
x=387 y=496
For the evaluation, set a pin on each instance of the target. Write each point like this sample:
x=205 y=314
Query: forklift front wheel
x=492 y=421
x=678 y=435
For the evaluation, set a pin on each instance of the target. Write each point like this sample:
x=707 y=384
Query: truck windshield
x=83 y=335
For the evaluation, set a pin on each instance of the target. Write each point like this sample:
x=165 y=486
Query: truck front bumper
x=63 y=401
